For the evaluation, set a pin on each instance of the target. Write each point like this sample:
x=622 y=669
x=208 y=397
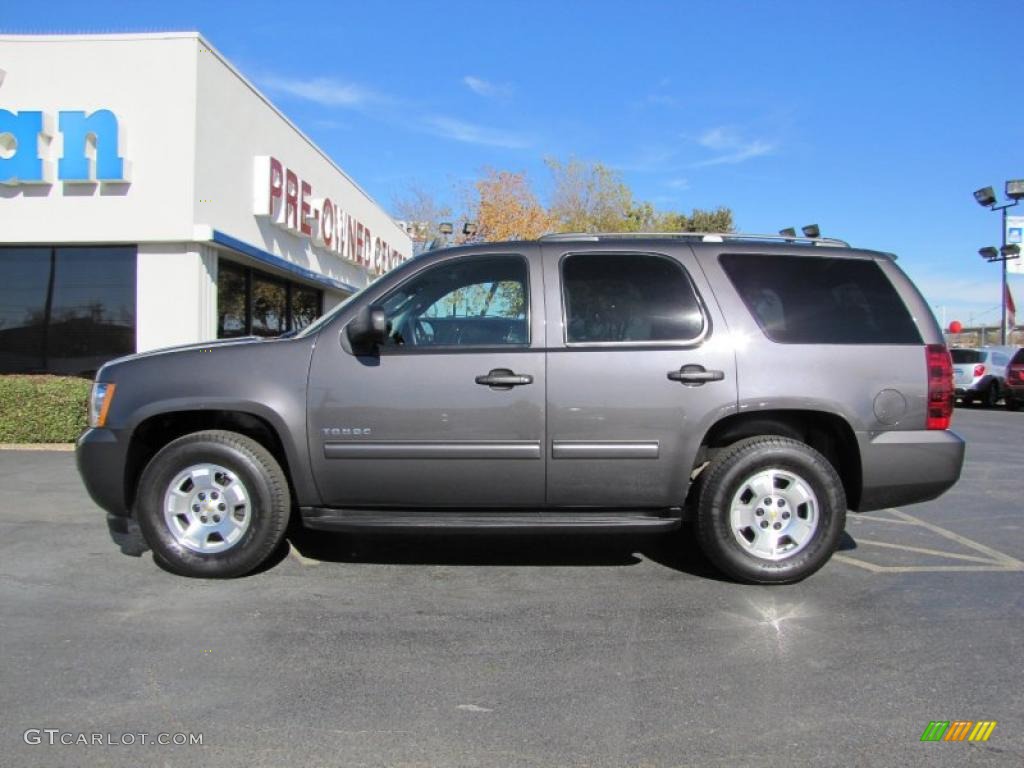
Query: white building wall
x=234 y=125
x=149 y=83
x=190 y=129
x=176 y=288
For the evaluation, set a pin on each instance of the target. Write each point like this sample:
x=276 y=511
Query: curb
x=63 y=447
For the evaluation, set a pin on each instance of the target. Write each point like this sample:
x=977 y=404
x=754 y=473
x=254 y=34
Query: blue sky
x=875 y=120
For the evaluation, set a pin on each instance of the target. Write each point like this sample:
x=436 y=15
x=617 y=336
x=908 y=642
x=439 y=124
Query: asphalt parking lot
x=410 y=651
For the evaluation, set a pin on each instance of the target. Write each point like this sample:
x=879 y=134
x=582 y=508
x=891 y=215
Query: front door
x=639 y=367
x=450 y=413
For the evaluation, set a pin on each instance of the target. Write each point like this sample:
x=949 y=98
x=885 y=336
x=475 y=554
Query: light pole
x=986 y=197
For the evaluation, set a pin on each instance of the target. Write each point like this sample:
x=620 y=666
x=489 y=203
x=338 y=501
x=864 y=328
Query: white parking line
x=959 y=539
x=925 y=568
x=924 y=551
x=993 y=560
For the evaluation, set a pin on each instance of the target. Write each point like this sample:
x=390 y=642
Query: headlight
x=99 y=403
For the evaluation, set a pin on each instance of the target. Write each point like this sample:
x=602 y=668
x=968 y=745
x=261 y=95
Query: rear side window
x=966 y=356
x=628 y=298
x=810 y=300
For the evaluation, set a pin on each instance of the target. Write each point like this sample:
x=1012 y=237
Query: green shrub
x=42 y=409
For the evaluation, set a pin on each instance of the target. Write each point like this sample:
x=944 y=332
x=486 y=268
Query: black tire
x=267 y=491
x=1012 y=403
x=723 y=478
x=990 y=396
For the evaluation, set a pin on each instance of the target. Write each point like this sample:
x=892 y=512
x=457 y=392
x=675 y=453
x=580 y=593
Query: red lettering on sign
x=276 y=187
x=304 y=208
x=327 y=224
x=291 y=200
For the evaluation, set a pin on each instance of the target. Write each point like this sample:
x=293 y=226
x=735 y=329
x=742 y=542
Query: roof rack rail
x=705 y=237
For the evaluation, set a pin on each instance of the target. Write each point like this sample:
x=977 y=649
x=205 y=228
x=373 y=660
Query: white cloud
x=678 y=184
x=949 y=290
x=470 y=133
x=323 y=91
x=731 y=146
x=486 y=88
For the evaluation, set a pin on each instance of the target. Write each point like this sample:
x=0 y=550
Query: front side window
x=471 y=302
x=628 y=298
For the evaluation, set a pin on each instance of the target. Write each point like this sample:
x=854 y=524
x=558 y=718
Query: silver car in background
x=979 y=375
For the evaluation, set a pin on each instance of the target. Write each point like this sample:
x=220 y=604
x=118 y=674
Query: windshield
x=325 y=318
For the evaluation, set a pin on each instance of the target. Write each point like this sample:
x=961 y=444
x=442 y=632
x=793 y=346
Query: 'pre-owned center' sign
x=284 y=198
x=22 y=162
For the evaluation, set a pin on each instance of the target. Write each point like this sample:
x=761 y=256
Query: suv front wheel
x=213 y=504
x=770 y=510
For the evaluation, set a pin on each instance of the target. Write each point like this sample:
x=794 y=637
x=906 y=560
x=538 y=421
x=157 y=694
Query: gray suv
x=760 y=386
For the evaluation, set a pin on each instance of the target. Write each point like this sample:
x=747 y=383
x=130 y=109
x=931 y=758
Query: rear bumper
x=100 y=455
x=908 y=467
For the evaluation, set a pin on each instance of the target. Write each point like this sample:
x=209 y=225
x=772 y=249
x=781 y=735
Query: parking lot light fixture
x=985 y=196
x=788 y=232
x=811 y=230
x=446 y=228
x=989 y=253
x=469 y=228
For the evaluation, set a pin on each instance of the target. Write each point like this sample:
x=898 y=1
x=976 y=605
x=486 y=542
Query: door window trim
x=663 y=343
x=455 y=349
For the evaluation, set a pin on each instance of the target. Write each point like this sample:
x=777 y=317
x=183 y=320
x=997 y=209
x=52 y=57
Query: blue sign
x=1015 y=235
x=24 y=164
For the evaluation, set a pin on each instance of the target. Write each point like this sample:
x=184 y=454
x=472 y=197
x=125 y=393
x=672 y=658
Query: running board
x=525 y=521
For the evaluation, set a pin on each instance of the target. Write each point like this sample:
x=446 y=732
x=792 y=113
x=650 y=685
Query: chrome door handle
x=503 y=378
x=695 y=375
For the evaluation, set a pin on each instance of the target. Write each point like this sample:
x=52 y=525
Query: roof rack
x=704 y=237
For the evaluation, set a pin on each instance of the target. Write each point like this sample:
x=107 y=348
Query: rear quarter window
x=813 y=300
x=966 y=356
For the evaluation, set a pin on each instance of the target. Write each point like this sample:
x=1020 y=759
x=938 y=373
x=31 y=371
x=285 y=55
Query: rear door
x=637 y=368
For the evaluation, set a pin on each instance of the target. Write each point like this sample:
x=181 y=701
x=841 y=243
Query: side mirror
x=367 y=330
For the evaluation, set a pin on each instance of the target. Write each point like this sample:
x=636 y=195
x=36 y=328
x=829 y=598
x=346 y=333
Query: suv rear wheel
x=213 y=504
x=770 y=510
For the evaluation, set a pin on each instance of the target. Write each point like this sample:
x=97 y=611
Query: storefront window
x=24 y=284
x=305 y=306
x=251 y=302
x=232 y=300
x=269 y=306
x=65 y=310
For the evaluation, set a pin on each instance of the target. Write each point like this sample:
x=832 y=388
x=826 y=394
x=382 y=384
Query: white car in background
x=979 y=375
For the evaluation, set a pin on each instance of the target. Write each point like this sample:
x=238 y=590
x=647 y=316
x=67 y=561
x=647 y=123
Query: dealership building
x=150 y=195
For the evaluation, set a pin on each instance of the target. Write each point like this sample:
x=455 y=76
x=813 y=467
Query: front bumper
x=100 y=455
x=908 y=467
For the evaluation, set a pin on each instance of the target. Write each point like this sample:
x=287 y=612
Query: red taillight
x=940 y=386
x=1016 y=373
x=979 y=370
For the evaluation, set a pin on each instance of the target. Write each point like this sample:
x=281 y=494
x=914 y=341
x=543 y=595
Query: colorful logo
x=958 y=730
